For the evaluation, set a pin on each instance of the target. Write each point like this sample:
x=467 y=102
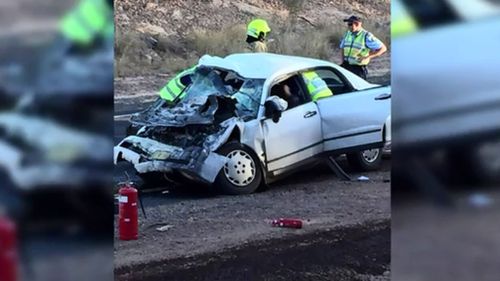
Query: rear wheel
x=241 y=174
x=366 y=160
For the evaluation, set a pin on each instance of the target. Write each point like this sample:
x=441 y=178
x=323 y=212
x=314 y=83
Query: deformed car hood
x=162 y=156
x=199 y=110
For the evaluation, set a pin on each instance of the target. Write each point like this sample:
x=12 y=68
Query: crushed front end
x=184 y=136
x=190 y=150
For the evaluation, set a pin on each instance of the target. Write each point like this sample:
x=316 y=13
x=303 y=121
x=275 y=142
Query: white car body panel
x=291 y=134
x=302 y=132
x=345 y=121
x=57 y=145
x=448 y=96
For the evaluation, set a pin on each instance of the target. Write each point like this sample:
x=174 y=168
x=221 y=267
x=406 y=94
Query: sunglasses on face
x=349 y=24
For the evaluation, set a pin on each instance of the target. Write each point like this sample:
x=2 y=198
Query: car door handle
x=310 y=114
x=383 y=97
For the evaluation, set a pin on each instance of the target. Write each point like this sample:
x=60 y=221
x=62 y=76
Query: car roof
x=270 y=66
x=262 y=65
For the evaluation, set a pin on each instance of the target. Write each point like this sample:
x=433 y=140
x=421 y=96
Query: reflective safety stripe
x=174 y=87
x=171 y=90
x=355 y=47
x=178 y=83
x=88 y=19
x=322 y=94
x=316 y=86
x=167 y=94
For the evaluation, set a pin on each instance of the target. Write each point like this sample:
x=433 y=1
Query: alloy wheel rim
x=240 y=168
x=371 y=155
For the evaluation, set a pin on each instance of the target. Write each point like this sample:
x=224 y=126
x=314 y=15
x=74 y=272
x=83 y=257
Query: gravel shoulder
x=205 y=223
x=444 y=243
x=353 y=253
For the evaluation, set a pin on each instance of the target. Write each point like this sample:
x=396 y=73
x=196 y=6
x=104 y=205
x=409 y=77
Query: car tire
x=366 y=160
x=241 y=174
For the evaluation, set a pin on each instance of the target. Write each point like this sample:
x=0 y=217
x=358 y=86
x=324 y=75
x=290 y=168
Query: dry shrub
x=381 y=31
x=293 y=6
x=130 y=50
x=141 y=54
x=315 y=42
x=218 y=43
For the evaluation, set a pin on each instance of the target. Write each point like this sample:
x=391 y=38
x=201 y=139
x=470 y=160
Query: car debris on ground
x=164 y=228
x=363 y=178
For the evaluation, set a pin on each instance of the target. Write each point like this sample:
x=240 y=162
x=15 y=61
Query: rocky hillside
x=174 y=17
x=164 y=36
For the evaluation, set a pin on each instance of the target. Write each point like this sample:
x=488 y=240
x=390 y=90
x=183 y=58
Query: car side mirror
x=274 y=106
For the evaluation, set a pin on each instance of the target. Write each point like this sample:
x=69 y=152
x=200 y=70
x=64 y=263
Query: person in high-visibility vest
x=88 y=22
x=257 y=32
x=358 y=47
x=176 y=86
x=316 y=86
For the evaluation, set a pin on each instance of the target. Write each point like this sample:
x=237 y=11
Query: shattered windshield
x=206 y=81
x=248 y=97
x=209 y=81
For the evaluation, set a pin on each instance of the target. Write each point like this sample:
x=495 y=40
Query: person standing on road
x=257 y=32
x=359 y=47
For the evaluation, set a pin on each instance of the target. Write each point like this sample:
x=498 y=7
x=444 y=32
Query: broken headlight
x=63 y=153
x=160 y=155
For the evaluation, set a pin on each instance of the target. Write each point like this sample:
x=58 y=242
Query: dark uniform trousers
x=359 y=70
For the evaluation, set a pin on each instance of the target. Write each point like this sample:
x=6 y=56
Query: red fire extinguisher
x=128 y=227
x=289 y=223
x=8 y=250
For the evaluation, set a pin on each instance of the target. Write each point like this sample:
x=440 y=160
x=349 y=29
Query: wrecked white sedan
x=248 y=119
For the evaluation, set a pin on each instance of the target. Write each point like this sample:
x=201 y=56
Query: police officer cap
x=353 y=19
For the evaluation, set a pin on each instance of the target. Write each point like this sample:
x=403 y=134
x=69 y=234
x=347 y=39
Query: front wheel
x=366 y=160
x=241 y=174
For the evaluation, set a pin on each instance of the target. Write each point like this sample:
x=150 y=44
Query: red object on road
x=8 y=250
x=128 y=226
x=290 y=223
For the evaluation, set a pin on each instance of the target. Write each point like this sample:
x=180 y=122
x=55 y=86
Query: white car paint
x=338 y=123
x=446 y=92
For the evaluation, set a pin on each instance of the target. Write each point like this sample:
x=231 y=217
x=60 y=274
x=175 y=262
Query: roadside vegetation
x=139 y=53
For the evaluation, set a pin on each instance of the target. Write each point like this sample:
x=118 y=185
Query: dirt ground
x=435 y=243
x=201 y=223
x=354 y=253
